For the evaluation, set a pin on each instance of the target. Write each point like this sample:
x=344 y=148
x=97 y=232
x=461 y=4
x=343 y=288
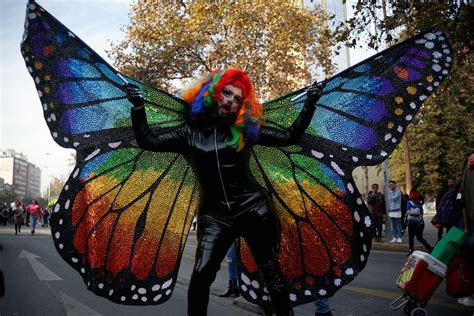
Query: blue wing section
x=364 y=110
x=81 y=94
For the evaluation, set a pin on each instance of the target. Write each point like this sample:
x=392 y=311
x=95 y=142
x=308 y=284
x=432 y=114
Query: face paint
x=229 y=100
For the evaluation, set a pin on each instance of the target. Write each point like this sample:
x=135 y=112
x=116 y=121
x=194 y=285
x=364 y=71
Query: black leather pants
x=215 y=235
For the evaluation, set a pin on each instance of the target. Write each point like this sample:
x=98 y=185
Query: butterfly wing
x=123 y=216
x=364 y=111
x=359 y=120
x=82 y=97
x=122 y=221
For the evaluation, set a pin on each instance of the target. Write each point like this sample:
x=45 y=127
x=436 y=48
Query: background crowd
x=17 y=214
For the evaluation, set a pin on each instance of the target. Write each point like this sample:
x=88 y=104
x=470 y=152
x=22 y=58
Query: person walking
x=394 y=211
x=377 y=209
x=232 y=262
x=18 y=212
x=415 y=222
x=34 y=210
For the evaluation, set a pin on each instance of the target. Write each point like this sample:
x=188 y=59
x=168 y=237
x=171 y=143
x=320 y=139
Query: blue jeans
x=396 y=227
x=32 y=223
x=322 y=305
x=232 y=262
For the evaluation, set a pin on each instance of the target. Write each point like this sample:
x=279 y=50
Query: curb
x=244 y=304
x=396 y=247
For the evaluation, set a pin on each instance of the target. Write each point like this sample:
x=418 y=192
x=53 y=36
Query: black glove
x=314 y=92
x=134 y=95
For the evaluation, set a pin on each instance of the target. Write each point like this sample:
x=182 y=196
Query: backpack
x=414 y=211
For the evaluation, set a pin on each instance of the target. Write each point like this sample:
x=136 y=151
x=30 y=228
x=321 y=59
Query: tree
x=278 y=43
x=442 y=134
x=7 y=196
x=56 y=185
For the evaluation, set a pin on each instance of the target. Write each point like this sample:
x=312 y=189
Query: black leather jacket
x=227 y=184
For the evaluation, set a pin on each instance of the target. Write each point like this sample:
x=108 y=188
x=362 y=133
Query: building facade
x=338 y=10
x=364 y=176
x=23 y=176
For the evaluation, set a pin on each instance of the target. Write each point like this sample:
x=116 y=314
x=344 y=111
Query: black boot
x=233 y=289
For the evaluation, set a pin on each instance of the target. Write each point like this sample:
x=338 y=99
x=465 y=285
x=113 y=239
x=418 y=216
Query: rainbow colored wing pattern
x=359 y=120
x=112 y=222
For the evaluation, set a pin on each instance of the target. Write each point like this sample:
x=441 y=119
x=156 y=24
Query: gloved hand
x=314 y=92
x=134 y=95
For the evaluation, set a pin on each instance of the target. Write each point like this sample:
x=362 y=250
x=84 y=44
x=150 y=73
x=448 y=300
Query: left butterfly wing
x=359 y=120
x=124 y=214
x=122 y=221
x=81 y=94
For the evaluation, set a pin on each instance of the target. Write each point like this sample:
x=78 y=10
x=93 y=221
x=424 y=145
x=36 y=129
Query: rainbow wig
x=203 y=93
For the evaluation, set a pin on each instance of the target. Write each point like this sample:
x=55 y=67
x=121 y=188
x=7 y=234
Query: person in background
x=449 y=184
x=467 y=221
x=450 y=211
x=233 y=289
x=46 y=217
x=18 y=216
x=5 y=213
x=405 y=199
x=415 y=222
x=394 y=211
x=376 y=202
x=34 y=209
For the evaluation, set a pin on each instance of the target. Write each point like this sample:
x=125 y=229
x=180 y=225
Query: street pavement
x=39 y=282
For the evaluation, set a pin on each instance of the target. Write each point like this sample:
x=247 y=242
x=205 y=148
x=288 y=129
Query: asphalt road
x=26 y=259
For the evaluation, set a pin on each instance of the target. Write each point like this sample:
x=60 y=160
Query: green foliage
x=442 y=134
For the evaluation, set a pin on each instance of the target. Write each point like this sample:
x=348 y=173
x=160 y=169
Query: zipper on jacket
x=219 y=169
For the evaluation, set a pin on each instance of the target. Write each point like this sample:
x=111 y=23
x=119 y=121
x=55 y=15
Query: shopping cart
x=419 y=278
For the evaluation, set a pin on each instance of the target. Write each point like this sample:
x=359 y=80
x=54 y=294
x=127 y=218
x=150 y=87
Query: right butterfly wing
x=82 y=97
x=364 y=110
x=122 y=221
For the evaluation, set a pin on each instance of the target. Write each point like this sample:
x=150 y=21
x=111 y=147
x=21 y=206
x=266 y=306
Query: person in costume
x=124 y=214
x=226 y=120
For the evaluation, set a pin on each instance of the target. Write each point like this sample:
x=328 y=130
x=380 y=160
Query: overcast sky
x=23 y=127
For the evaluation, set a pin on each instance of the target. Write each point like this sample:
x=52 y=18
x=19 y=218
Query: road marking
x=76 y=308
x=394 y=295
x=43 y=273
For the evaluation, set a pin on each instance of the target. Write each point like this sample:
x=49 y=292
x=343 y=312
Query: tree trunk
x=406 y=160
